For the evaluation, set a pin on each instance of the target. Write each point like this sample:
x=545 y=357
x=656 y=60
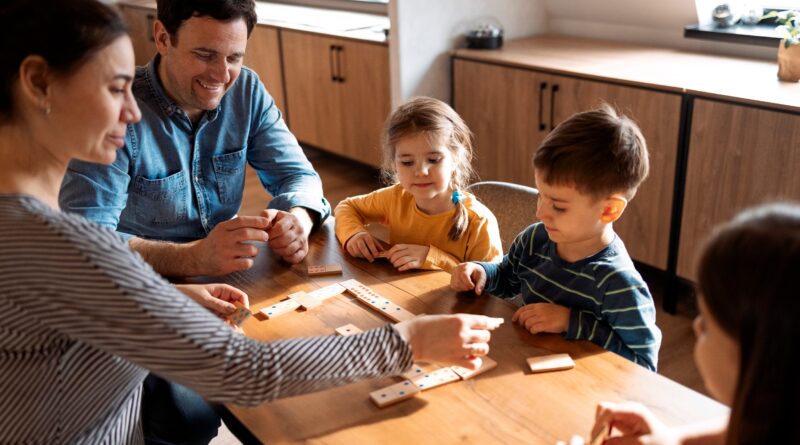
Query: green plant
x=788 y=25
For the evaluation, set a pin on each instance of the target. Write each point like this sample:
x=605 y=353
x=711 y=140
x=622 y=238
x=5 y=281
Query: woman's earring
x=46 y=108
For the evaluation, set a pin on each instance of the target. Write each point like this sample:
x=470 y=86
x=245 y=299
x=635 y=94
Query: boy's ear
x=613 y=208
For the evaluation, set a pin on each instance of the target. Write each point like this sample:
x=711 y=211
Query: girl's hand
x=363 y=245
x=543 y=317
x=407 y=256
x=636 y=423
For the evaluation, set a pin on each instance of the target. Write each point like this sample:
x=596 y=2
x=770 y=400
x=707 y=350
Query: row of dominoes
x=302 y=299
x=417 y=380
x=372 y=299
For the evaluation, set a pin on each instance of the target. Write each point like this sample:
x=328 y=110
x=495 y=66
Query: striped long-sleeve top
x=610 y=305
x=82 y=320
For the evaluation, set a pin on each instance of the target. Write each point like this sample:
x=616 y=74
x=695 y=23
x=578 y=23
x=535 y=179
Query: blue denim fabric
x=175 y=181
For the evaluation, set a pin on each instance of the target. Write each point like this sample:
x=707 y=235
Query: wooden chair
x=513 y=205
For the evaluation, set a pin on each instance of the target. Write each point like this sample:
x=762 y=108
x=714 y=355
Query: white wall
x=423 y=32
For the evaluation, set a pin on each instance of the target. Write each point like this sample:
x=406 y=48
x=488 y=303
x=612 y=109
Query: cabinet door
x=645 y=225
x=140 y=25
x=264 y=57
x=312 y=95
x=364 y=85
x=504 y=108
x=738 y=157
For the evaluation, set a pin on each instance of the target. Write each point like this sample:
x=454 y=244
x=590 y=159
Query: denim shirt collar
x=164 y=102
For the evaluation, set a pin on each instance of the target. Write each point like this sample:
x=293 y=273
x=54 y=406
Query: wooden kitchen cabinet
x=739 y=157
x=263 y=56
x=337 y=93
x=140 y=27
x=511 y=110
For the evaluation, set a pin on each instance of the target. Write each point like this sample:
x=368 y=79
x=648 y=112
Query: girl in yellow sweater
x=433 y=223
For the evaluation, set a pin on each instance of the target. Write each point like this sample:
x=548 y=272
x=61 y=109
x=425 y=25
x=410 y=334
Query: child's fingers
x=373 y=246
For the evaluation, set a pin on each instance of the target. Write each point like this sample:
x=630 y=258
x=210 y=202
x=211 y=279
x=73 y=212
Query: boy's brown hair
x=599 y=152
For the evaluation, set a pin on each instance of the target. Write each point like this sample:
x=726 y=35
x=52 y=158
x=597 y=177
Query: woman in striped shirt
x=82 y=318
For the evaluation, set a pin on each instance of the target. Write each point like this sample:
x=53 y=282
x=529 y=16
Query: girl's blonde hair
x=441 y=125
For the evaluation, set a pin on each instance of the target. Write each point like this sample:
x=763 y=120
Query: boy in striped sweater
x=572 y=271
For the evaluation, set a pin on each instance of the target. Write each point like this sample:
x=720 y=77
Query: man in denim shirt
x=176 y=186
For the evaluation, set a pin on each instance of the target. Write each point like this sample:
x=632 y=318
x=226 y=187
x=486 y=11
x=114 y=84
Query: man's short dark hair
x=172 y=13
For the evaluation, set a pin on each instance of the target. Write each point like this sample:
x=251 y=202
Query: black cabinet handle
x=553 y=91
x=542 y=87
x=340 y=64
x=332 y=62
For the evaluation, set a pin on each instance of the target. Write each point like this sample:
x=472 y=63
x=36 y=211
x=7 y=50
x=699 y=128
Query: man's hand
x=225 y=249
x=288 y=233
x=407 y=256
x=468 y=276
x=543 y=317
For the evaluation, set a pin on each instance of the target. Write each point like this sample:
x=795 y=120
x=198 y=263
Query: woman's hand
x=459 y=339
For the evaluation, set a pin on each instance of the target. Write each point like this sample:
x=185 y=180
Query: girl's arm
x=355 y=212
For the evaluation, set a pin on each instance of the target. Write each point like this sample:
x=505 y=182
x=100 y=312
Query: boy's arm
x=628 y=325
x=353 y=213
x=502 y=278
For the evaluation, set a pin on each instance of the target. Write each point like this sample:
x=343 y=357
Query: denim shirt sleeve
x=97 y=192
x=279 y=161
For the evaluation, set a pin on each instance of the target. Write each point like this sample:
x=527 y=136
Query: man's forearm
x=167 y=258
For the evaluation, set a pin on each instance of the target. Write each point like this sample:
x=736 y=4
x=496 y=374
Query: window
x=762 y=34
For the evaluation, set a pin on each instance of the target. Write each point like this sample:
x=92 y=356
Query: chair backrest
x=513 y=205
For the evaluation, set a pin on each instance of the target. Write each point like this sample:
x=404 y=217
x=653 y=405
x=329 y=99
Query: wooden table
x=505 y=405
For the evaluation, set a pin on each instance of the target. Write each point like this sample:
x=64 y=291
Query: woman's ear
x=613 y=207
x=34 y=82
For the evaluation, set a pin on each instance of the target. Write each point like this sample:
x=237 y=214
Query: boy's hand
x=543 y=317
x=363 y=245
x=407 y=256
x=468 y=276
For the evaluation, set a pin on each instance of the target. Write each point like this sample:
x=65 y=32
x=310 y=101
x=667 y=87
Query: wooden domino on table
x=324 y=269
x=435 y=378
x=277 y=309
x=394 y=393
x=553 y=362
x=348 y=329
x=326 y=292
x=240 y=315
x=486 y=365
x=305 y=300
x=376 y=301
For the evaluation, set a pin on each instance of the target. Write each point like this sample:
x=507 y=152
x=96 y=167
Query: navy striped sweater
x=610 y=304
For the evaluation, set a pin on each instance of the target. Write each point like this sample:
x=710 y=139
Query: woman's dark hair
x=748 y=279
x=65 y=33
x=172 y=13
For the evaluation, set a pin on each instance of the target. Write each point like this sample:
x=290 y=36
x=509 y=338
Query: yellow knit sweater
x=394 y=207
